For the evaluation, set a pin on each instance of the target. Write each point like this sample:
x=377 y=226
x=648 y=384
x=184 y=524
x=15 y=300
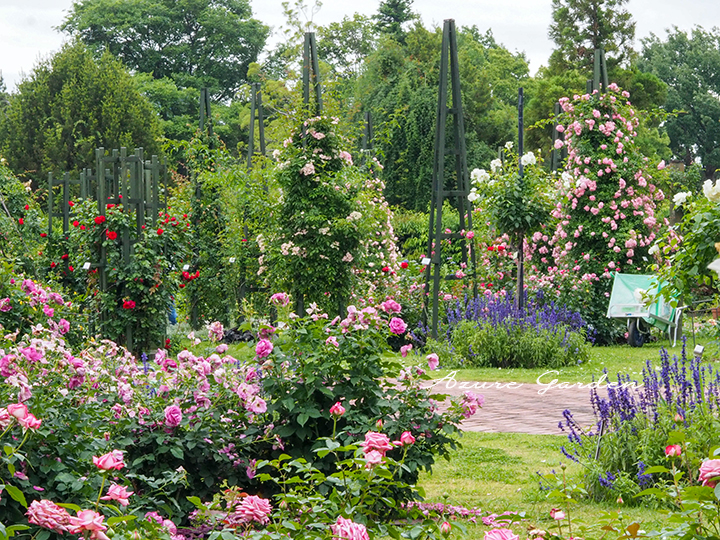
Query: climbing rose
x=49 y=515
x=128 y=304
x=346 y=529
x=99 y=220
x=112 y=235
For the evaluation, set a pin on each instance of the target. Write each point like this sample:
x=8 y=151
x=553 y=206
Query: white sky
x=26 y=26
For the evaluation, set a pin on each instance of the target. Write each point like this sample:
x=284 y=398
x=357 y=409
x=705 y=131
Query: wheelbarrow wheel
x=635 y=337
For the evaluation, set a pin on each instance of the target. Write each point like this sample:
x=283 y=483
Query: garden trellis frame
x=433 y=260
x=311 y=75
x=256 y=111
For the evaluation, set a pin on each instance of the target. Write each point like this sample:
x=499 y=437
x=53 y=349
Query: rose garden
x=198 y=340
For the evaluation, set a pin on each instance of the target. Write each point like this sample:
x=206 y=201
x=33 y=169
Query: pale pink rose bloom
x=87 y=520
x=5 y=419
x=376 y=441
x=111 y=460
x=557 y=514
x=405 y=349
x=18 y=410
x=222 y=348
x=254 y=508
x=256 y=405
x=407 y=438
x=30 y=422
x=373 y=458
x=263 y=348
x=337 y=409
x=710 y=472
x=332 y=340
x=346 y=529
x=433 y=361
x=500 y=534
x=215 y=331
x=397 y=325
x=49 y=515
x=173 y=416
x=119 y=494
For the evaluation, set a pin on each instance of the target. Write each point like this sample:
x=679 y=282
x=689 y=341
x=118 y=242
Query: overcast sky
x=27 y=34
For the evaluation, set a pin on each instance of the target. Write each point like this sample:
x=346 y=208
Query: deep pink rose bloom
x=500 y=534
x=405 y=349
x=280 y=299
x=407 y=438
x=18 y=410
x=49 y=515
x=337 y=409
x=673 y=450
x=111 y=460
x=5 y=305
x=119 y=494
x=376 y=441
x=254 y=508
x=173 y=416
x=347 y=529
x=63 y=326
x=30 y=422
x=263 y=348
x=397 y=325
x=710 y=472
x=390 y=306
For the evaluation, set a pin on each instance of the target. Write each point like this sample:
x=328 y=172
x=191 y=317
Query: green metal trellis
x=311 y=75
x=433 y=260
x=256 y=110
x=600 y=75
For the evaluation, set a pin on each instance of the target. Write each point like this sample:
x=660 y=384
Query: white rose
x=711 y=191
x=473 y=195
x=528 y=159
x=654 y=249
x=479 y=175
x=496 y=165
x=509 y=145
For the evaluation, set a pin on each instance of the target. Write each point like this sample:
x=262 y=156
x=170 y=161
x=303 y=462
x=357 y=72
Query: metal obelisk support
x=256 y=111
x=433 y=260
x=520 y=296
x=600 y=74
x=311 y=75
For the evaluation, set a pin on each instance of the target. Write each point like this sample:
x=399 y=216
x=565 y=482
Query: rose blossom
x=215 y=331
x=710 y=472
x=346 y=529
x=407 y=438
x=254 y=508
x=173 y=416
x=119 y=494
x=390 y=306
x=49 y=515
x=263 y=348
x=30 y=422
x=18 y=410
x=376 y=441
x=397 y=325
x=372 y=458
x=88 y=520
x=337 y=409
x=557 y=514
x=405 y=349
x=109 y=461
x=445 y=528
x=500 y=534
x=433 y=360
x=673 y=450
x=332 y=340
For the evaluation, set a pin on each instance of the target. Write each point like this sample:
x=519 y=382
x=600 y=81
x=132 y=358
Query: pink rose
x=18 y=410
x=63 y=326
x=119 y=494
x=397 y=325
x=500 y=534
x=557 y=514
x=673 y=450
x=87 y=520
x=280 y=299
x=49 y=515
x=5 y=419
x=263 y=348
x=376 y=441
x=445 y=528
x=254 y=508
x=372 y=458
x=220 y=349
x=337 y=410
x=433 y=360
x=391 y=306
x=710 y=472
x=332 y=340
x=470 y=235
x=30 y=422
x=173 y=416
x=407 y=438
x=405 y=349
x=346 y=529
x=111 y=460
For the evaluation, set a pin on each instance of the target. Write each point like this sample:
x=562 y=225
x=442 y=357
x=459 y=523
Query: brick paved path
x=520 y=408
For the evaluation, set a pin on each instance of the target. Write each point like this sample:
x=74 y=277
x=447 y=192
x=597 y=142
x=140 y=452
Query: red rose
x=502 y=248
x=491 y=248
x=43 y=235
x=64 y=256
x=70 y=203
x=21 y=221
x=182 y=285
x=111 y=206
x=76 y=223
x=186 y=275
x=71 y=268
x=244 y=240
x=128 y=304
x=82 y=227
x=160 y=231
x=99 y=220
x=112 y=235
x=197 y=274
x=53 y=265
x=404 y=264
x=386 y=269
x=27 y=207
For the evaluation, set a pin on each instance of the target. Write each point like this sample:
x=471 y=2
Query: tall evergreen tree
x=392 y=15
x=581 y=26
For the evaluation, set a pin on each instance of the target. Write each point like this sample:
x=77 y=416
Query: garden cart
x=628 y=301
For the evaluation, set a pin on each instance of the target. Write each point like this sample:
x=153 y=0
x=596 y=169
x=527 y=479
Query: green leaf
x=196 y=501
x=120 y=519
x=70 y=506
x=177 y=452
x=16 y=494
x=657 y=469
x=302 y=419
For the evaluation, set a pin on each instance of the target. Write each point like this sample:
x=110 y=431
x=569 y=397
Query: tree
x=392 y=15
x=345 y=45
x=690 y=66
x=581 y=26
x=196 y=43
x=70 y=105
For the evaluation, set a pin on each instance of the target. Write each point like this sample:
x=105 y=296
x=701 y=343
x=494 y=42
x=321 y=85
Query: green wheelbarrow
x=627 y=301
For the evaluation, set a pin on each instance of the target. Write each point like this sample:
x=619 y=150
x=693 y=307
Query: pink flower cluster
x=347 y=529
x=470 y=403
x=19 y=412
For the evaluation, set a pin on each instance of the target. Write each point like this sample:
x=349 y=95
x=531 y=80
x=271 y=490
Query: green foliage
x=581 y=26
x=196 y=43
x=689 y=64
x=70 y=105
x=392 y=15
x=482 y=344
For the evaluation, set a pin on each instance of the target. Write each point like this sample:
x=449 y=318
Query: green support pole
x=520 y=295
x=256 y=111
x=311 y=75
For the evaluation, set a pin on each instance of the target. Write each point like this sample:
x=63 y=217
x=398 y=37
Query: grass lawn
x=497 y=472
